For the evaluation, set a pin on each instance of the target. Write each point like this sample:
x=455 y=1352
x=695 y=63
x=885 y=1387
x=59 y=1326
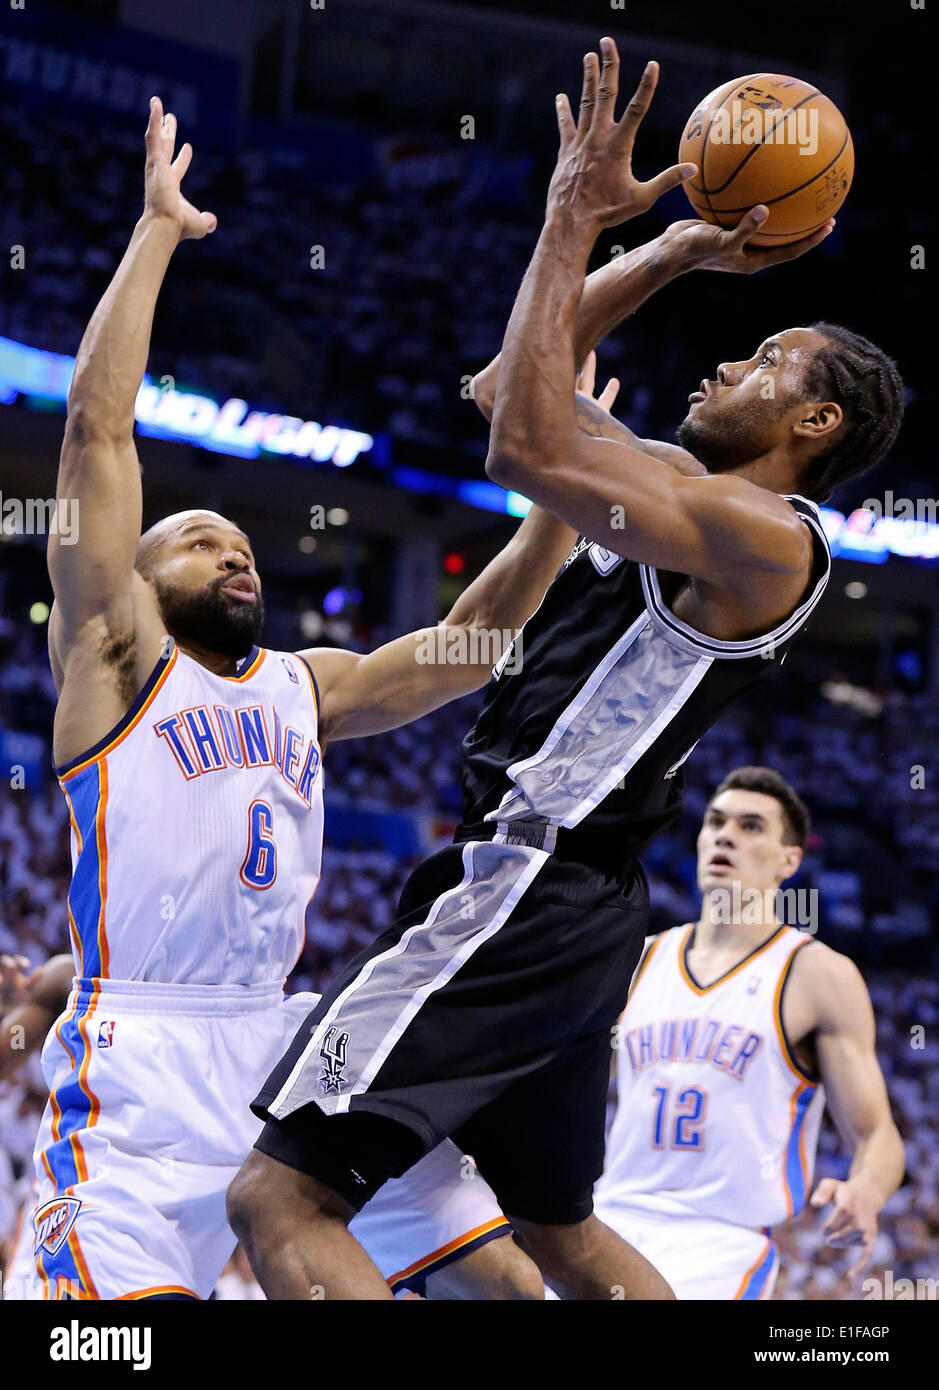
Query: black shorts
x=485 y=1013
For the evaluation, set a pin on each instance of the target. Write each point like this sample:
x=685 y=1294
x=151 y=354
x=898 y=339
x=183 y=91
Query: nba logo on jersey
x=754 y=985
x=53 y=1221
x=106 y=1033
x=333 y=1053
x=288 y=667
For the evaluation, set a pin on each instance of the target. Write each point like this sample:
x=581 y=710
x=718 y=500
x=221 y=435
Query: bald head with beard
x=194 y=560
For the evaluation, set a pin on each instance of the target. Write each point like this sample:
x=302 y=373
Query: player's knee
x=248 y=1196
x=557 y=1247
x=498 y=1270
x=516 y=1276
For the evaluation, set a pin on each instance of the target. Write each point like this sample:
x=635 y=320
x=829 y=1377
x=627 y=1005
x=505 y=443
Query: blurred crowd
x=369 y=301
x=872 y=857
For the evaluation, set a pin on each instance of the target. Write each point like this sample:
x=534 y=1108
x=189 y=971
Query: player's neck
x=775 y=471
x=734 y=927
x=217 y=662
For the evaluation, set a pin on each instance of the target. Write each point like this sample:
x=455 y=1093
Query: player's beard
x=731 y=439
x=210 y=619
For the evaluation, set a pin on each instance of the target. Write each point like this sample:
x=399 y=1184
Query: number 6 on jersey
x=260 y=863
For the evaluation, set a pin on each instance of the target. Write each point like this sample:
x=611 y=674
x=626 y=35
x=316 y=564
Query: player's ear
x=792 y=858
x=818 y=420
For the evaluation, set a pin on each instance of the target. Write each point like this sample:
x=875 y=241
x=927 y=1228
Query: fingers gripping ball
x=773 y=140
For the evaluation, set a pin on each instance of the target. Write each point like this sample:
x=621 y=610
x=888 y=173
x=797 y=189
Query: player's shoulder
x=656 y=943
x=829 y=977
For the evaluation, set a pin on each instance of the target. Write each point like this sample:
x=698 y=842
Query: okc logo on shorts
x=53 y=1221
x=106 y=1033
x=333 y=1053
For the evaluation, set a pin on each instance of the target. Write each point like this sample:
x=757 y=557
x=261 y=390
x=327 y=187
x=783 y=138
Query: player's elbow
x=500 y=468
x=511 y=461
x=484 y=394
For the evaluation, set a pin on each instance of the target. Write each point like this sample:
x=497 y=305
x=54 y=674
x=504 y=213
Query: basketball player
x=738 y=1031
x=190 y=759
x=485 y=1011
x=433 y=1232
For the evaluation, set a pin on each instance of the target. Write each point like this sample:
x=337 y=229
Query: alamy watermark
x=899 y=1290
x=790 y=907
x=924 y=511
x=40 y=516
x=444 y=645
x=741 y=124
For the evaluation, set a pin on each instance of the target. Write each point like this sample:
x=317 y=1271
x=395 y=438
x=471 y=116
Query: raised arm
x=417 y=673
x=389 y=687
x=830 y=986
x=101 y=605
x=615 y=291
x=721 y=529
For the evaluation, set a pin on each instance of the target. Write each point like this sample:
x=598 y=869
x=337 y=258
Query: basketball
x=768 y=139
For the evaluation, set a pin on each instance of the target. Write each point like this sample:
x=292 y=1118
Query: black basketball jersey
x=579 y=744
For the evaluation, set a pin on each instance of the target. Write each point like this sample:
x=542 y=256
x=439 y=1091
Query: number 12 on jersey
x=679 y=1123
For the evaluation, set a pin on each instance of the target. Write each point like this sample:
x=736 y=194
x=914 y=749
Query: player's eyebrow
x=210 y=526
x=774 y=343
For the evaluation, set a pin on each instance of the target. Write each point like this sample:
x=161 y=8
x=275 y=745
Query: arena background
x=370 y=242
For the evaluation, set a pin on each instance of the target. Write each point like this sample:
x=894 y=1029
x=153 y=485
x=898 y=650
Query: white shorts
x=699 y=1257
x=147 y=1124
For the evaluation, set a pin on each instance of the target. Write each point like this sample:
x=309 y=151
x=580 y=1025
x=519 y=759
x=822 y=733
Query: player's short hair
x=797 y=822
x=148 y=548
x=867 y=385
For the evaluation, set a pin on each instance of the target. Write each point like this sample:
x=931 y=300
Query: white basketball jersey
x=197 y=827
x=715 y=1117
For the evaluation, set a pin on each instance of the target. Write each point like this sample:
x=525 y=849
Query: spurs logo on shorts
x=333 y=1053
x=53 y=1221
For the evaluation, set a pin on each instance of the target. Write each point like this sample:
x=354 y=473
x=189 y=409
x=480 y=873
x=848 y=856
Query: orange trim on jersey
x=102 y=846
x=309 y=671
x=81 y=1265
x=448 y=1249
x=109 y=747
x=158 y=1288
x=68 y=906
x=642 y=965
x=78 y=1153
x=56 y=1108
x=793 y=1104
x=40 y=1269
x=76 y=941
x=704 y=989
x=255 y=665
x=753 y=1268
x=49 y=1175
x=94 y=1105
x=788 y=1056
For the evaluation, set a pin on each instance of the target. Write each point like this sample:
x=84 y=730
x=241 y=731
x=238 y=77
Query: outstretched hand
x=715 y=248
x=586 y=383
x=162 y=193
x=853 y=1219
x=593 y=179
